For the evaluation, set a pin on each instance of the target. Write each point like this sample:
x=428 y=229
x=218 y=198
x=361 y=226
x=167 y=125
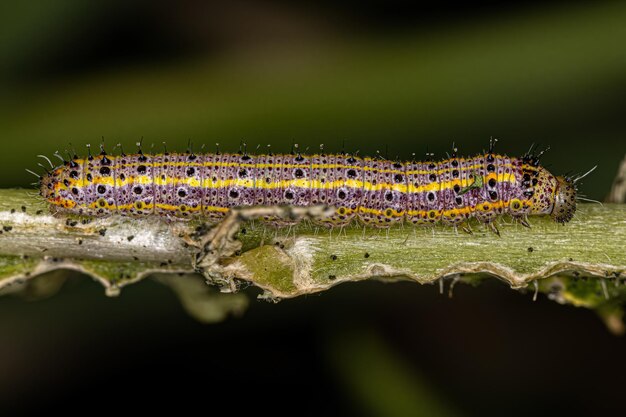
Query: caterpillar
x=375 y=191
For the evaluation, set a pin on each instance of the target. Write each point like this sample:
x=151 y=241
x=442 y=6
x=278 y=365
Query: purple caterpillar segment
x=506 y=169
x=474 y=196
x=123 y=192
x=385 y=179
x=263 y=176
x=177 y=184
x=192 y=187
x=321 y=175
x=209 y=172
x=330 y=175
x=487 y=170
x=398 y=190
x=417 y=210
x=100 y=185
x=127 y=192
x=345 y=192
x=231 y=192
x=464 y=200
x=370 y=197
x=247 y=176
x=510 y=168
x=321 y=193
x=451 y=175
x=272 y=193
x=291 y=176
x=503 y=171
x=139 y=173
x=298 y=193
x=446 y=194
x=394 y=173
x=225 y=176
x=352 y=177
x=272 y=188
x=162 y=188
x=433 y=197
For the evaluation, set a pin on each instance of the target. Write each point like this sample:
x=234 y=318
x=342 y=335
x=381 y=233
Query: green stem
x=305 y=260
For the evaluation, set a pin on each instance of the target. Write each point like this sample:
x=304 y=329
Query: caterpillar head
x=564 y=200
x=554 y=196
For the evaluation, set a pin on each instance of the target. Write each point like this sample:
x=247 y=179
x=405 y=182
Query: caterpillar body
x=374 y=191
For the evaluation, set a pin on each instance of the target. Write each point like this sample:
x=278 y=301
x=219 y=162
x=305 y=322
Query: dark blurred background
x=369 y=75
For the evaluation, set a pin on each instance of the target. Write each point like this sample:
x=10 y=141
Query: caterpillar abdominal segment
x=376 y=192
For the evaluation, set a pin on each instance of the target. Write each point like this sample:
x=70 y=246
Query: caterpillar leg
x=466 y=228
x=523 y=220
x=492 y=226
